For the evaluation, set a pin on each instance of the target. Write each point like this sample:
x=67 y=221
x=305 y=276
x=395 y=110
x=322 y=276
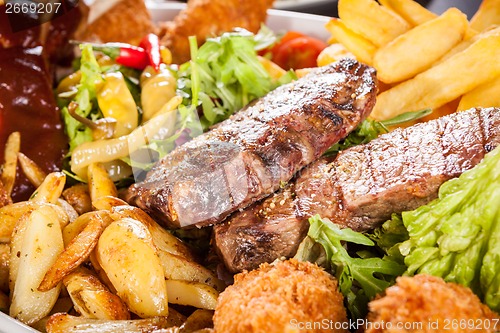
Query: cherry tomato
x=299 y=52
x=286 y=37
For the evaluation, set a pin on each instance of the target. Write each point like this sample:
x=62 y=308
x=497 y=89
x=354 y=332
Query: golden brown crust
x=209 y=18
x=278 y=298
x=127 y=22
x=437 y=305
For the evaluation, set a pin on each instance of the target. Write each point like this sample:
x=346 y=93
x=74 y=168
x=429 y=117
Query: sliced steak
x=361 y=187
x=248 y=156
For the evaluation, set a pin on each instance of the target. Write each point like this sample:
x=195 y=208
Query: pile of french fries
x=82 y=260
x=445 y=63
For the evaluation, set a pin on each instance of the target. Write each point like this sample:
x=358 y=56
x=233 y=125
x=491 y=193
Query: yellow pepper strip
x=157 y=89
x=113 y=149
x=116 y=101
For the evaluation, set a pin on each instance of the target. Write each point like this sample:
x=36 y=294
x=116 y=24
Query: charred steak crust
x=362 y=187
x=248 y=156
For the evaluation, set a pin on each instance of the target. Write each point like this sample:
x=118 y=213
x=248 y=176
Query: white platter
x=278 y=20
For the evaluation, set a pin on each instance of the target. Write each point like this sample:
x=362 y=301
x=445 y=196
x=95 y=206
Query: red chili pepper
x=151 y=43
x=124 y=54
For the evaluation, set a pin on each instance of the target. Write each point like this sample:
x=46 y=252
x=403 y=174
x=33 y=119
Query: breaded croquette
x=210 y=18
x=428 y=304
x=288 y=296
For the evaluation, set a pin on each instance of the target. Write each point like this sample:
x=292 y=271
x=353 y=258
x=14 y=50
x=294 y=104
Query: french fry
x=51 y=188
x=12 y=147
x=485 y=95
x=376 y=23
x=100 y=184
x=75 y=253
x=333 y=53
x=274 y=71
x=194 y=294
x=92 y=299
x=410 y=10
x=65 y=323
x=179 y=268
x=78 y=196
x=444 y=82
x=162 y=239
x=487 y=15
x=11 y=213
x=128 y=256
x=41 y=244
x=418 y=49
x=463 y=45
x=4 y=267
x=362 y=48
x=31 y=170
x=74 y=228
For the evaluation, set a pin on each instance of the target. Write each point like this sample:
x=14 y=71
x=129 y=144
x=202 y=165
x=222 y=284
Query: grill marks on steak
x=361 y=187
x=248 y=156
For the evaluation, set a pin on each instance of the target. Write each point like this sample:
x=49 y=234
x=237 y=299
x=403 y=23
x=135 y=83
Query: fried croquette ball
x=426 y=303
x=288 y=296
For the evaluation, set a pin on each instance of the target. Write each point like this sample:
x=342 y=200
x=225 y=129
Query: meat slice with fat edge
x=361 y=187
x=249 y=156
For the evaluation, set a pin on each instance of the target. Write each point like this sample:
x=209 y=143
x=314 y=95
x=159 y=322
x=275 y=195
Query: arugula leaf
x=360 y=279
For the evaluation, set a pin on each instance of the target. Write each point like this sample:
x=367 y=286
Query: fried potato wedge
x=376 y=23
x=75 y=253
x=100 y=184
x=51 y=188
x=74 y=228
x=16 y=245
x=65 y=323
x=92 y=299
x=180 y=268
x=444 y=82
x=4 y=302
x=200 y=319
x=12 y=147
x=487 y=15
x=41 y=244
x=78 y=196
x=4 y=267
x=411 y=11
x=485 y=95
x=108 y=202
x=194 y=294
x=31 y=170
x=418 y=49
x=127 y=254
x=162 y=239
x=362 y=48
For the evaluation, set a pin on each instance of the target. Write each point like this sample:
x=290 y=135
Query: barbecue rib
x=249 y=156
x=361 y=187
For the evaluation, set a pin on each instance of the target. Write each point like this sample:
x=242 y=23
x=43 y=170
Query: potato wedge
x=362 y=48
x=410 y=10
x=74 y=228
x=198 y=320
x=108 y=202
x=100 y=184
x=51 y=188
x=485 y=95
x=71 y=213
x=487 y=15
x=4 y=267
x=92 y=299
x=128 y=256
x=180 y=268
x=274 y=71
x=75 y=253
x=376 y=23
x=65 y=323
x=444 y=82
x=418 y=49
x=4 y=302
x=31 y=170
x=12 y=147
x=162 y=239
x=467 y=42
x=16 y=245
x=194 y=294
x=333 y=53
x=78 y=196
x=41 y=244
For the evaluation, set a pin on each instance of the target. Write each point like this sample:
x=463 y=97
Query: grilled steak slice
x=361 y=187
x=248 y=156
